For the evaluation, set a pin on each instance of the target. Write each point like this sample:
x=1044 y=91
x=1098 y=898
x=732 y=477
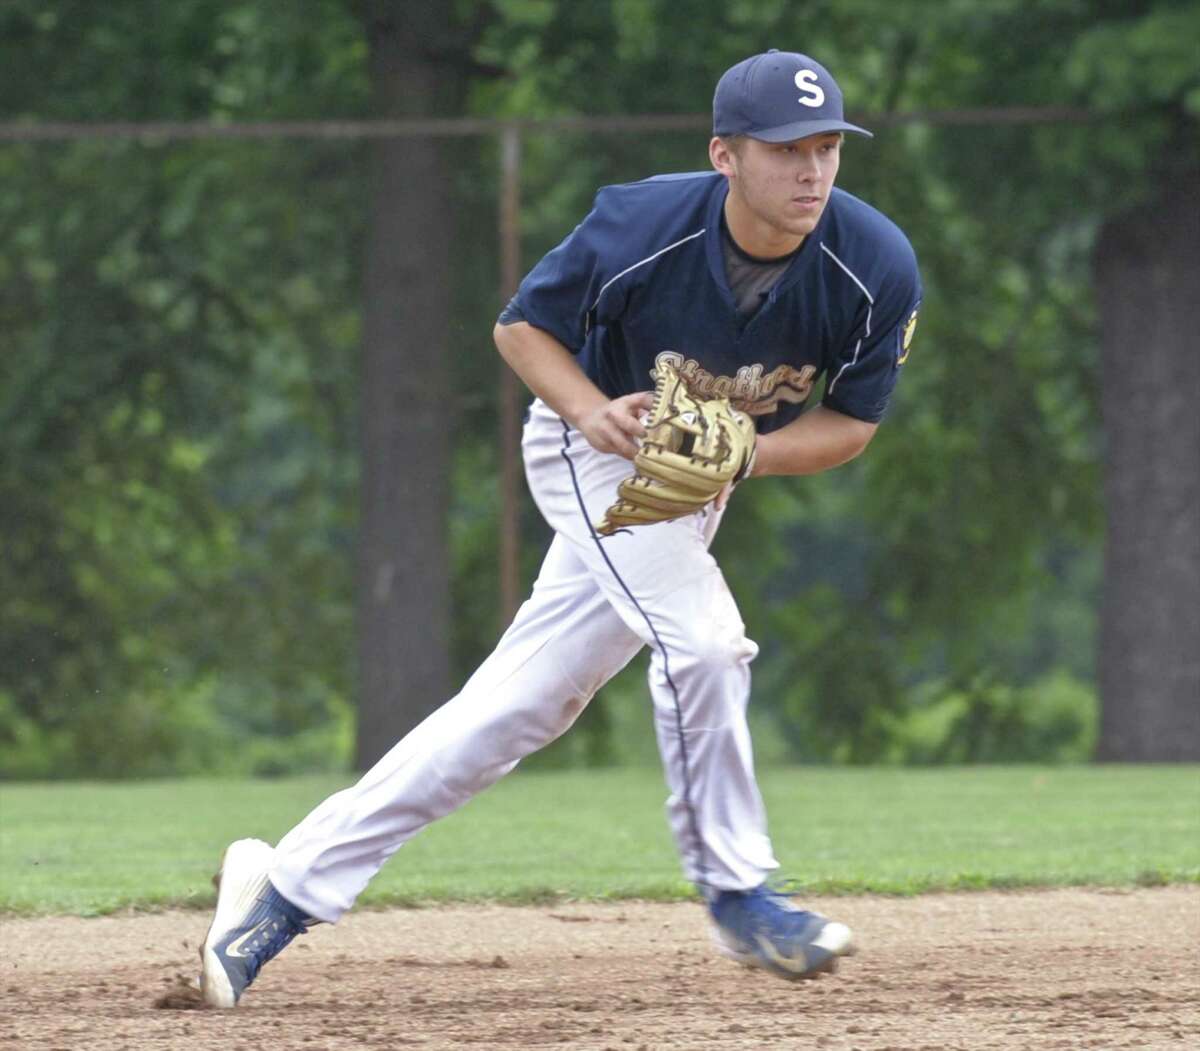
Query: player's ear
x=722 y=153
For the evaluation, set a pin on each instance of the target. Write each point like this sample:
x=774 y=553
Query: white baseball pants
x=596 y=602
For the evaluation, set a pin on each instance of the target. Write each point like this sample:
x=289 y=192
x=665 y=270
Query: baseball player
x=749 y=283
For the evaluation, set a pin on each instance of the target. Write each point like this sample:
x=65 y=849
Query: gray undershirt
x=750 y=278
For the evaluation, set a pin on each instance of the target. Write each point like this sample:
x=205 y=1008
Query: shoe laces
x=273 y=936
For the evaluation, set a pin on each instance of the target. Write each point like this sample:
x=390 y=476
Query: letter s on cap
x=806 y=81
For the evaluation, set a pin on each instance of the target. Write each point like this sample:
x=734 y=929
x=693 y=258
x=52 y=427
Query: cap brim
x=804 y=128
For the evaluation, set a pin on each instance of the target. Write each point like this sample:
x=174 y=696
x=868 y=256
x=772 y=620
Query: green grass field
x=94 y=848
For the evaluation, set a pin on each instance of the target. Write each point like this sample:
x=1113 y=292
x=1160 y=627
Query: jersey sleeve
x=571 y=290
x=511 y=313
x=864 y=372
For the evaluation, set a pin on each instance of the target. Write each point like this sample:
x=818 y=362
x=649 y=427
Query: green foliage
x=195 y=728
x=179 y=474
x=1143 y=59
x=178 y=374
x=1051 y=720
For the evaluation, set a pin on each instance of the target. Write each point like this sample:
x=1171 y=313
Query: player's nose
x=807 y=169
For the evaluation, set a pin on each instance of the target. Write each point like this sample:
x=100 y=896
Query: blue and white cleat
x=762 y=928
x=253 y=923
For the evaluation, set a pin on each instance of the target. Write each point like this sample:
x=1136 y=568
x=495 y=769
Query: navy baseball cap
x=779 y=96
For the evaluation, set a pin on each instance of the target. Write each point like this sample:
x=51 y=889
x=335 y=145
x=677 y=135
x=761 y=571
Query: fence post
x=509 y=387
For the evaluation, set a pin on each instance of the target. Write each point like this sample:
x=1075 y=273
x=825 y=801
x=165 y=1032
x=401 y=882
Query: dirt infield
x=1044 y=970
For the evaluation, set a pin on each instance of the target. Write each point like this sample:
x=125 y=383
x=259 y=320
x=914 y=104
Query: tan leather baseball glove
x=693 y=449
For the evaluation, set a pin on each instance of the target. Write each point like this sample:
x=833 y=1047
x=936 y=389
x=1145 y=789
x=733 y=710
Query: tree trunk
x=403 y=583
x=1148 y=285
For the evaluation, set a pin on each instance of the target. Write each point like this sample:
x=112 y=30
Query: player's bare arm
x=820 y=439
x=551 y=372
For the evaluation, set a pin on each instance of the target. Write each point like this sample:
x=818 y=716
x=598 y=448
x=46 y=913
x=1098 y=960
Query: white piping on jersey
x=870 y=303
x=640 y=262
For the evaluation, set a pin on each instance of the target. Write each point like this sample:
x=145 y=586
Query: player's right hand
x=616 y=426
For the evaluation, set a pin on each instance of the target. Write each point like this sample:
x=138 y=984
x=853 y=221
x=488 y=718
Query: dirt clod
x=181 y=995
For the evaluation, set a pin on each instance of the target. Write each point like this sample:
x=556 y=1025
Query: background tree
x=417 y=70
x=1147 y=270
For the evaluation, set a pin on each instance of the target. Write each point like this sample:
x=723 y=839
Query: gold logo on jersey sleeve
x=910 y=327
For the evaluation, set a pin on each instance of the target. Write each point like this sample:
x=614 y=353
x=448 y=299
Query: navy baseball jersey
x=642 y=279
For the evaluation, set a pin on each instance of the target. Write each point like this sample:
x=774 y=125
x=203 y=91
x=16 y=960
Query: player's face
x=777 y=190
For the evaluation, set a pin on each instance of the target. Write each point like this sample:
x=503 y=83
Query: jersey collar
x=716 y=258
